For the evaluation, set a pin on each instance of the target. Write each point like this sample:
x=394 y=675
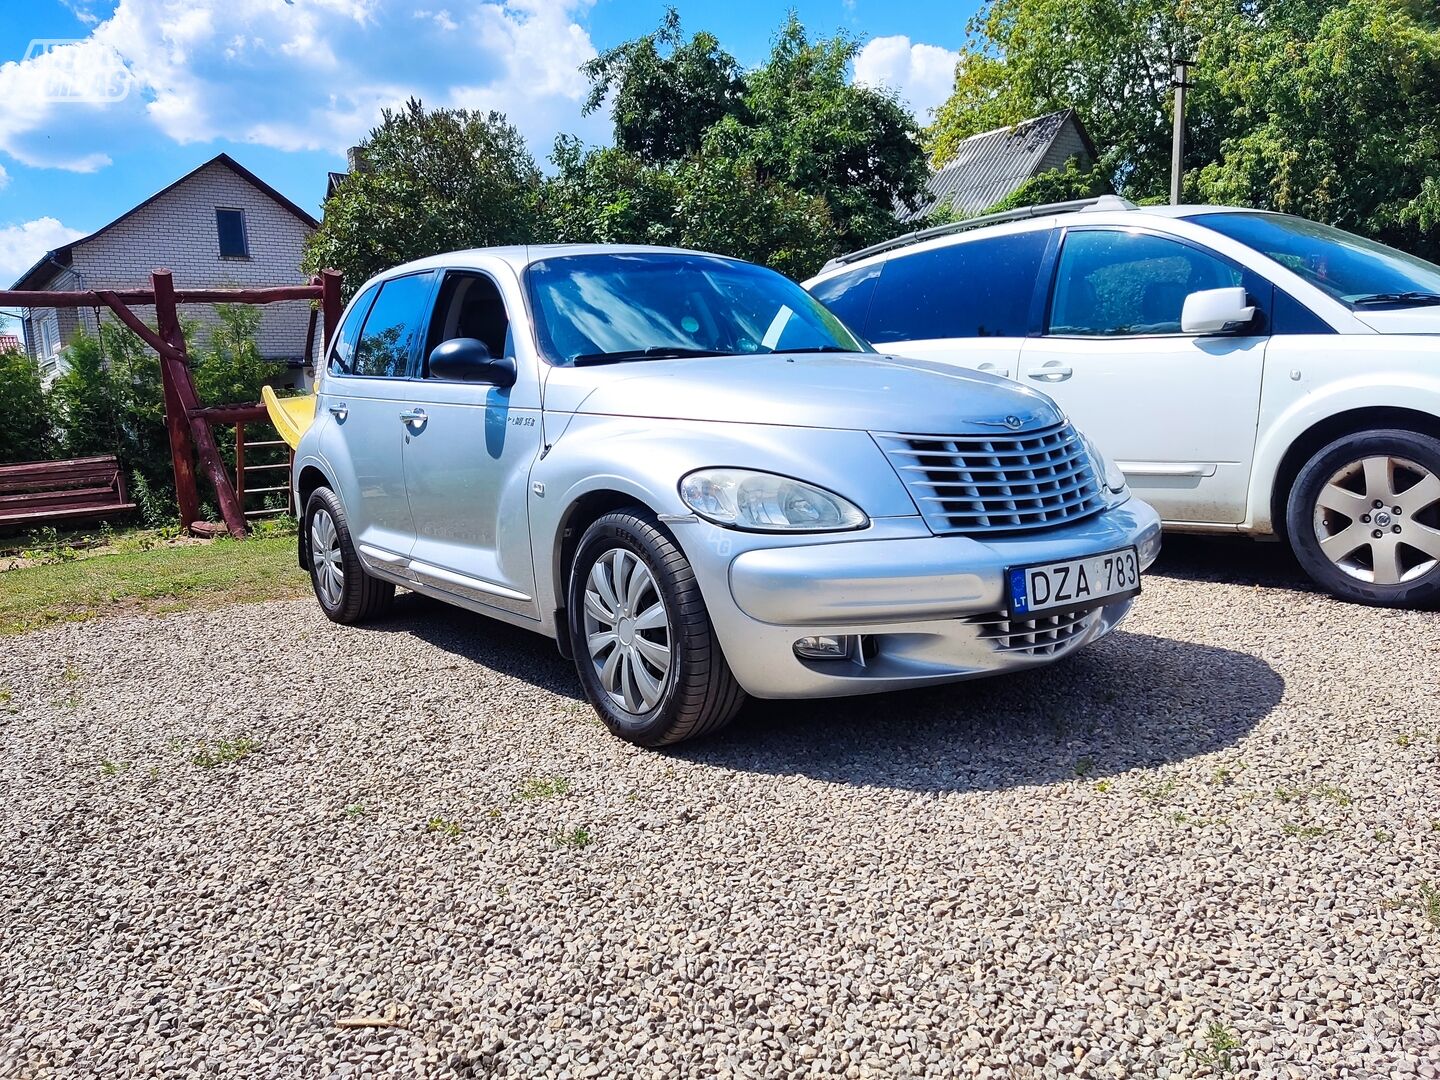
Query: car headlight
x=1106 y=469
x=764 y=502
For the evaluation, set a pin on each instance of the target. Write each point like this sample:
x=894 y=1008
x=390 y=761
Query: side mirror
x=1216 y=311
x=466 y=359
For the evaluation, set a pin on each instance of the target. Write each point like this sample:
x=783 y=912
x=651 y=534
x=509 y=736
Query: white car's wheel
x=1364 y=518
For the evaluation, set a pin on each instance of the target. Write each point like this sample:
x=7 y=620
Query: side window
x=470 y=306
x=1112 y=284
x=848 y=295
x=1293 y=317
x=393 y=327
x=230 y=226
x=342 y=351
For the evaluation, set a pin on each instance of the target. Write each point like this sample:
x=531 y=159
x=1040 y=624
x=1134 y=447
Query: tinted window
x=980 y=288
x=391 y=330
x=230 y=224
x=848 y=295
x=1113 y=283
x=1293 y=317
x=342 y=352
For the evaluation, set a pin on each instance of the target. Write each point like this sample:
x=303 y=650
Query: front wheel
x=1364 y=518
x=644 y=647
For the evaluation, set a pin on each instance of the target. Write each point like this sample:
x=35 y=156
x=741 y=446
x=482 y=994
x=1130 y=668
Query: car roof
x=1105 y=210
x=519 y=256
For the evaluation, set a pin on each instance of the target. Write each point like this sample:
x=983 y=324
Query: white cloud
x=22 y=245
x=310 y=76
x=923 y=74
x=4 y=177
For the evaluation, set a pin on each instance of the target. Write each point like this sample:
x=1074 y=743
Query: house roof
x=987 y=167
x=10 y=343
x=43 y=271
x=332 y=181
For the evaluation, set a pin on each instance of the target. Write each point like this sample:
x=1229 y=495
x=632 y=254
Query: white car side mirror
x=1216 y=311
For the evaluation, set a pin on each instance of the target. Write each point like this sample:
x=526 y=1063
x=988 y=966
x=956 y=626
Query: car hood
x=1411 y=320
x=864 y=392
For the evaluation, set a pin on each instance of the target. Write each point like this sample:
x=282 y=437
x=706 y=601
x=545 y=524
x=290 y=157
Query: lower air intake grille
x=1047 y=635
x=997 y=483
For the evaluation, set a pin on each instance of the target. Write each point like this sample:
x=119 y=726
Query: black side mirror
x=466 y=359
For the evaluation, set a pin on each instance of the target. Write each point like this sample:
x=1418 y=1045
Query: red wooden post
x=330 y=308
x=177 y=424
x=168 y=320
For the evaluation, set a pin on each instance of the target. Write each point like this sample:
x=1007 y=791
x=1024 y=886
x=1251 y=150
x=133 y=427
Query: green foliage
x=1056 y=185
x=665 y=92
x=25 y=431
x=231 y=370
x=1324 y=108
x=432 y=181
x=224 y=752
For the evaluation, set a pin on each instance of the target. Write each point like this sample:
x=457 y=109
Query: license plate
x=1071 y=584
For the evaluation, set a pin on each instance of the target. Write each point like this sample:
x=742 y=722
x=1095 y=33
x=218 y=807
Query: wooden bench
x=34 y=492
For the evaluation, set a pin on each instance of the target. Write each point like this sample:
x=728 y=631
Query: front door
x=365 y=388
x=468 y=453
x=1176 y=412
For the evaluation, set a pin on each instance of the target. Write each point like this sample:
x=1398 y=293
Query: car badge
x=1012 y=422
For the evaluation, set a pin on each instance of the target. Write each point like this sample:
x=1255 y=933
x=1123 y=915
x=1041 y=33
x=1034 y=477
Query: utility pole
x=1177 y=151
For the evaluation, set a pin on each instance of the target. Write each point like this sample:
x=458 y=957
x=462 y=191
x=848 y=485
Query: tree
x=665 y=91
x=430 y=182
x=25 y=433
x=1325 y=108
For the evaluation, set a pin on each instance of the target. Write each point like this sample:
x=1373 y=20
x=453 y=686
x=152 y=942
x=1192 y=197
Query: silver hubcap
x=627 y=632
x=1378 y=520
x=325 y=558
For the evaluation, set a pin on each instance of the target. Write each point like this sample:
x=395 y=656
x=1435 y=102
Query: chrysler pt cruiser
x=701 y=484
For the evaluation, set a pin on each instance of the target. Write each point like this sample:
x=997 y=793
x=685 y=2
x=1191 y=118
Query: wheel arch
x=1320 y=434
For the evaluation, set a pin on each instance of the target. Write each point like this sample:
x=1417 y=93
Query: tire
x=1359 y=551
x=641 y=700
x=357 y=596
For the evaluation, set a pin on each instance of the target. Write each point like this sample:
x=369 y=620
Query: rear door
x=365 y=389
x=469 y=450
x=1177 y=412
x=967 y=302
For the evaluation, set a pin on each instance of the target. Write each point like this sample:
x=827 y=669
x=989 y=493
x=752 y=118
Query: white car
x=1250 y=372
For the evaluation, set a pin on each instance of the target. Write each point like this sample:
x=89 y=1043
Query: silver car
x=701 y=484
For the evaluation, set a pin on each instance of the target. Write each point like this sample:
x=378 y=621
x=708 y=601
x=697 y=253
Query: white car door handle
x=413 y=416
x=994 y=369
x=340 y=410
x=1054 y=371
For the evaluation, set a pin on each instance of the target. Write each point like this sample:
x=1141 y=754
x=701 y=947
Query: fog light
x=823 y=648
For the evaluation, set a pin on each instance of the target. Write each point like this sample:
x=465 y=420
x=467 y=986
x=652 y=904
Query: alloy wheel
x=627 y=631
x=1378 y=520
x=326 y=557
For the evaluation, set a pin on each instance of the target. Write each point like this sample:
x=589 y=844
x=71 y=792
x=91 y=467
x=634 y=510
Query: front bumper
x=926 y=609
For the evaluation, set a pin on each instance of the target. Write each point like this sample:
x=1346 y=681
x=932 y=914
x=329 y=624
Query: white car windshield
x=619 y=306
x=1355 y=271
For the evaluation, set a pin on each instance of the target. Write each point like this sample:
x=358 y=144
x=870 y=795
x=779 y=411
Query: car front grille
x=997 y=483
x=1046 y=635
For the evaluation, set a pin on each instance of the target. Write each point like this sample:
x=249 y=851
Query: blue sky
x=285 y=85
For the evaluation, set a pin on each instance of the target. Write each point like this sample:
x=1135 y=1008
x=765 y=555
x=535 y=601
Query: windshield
x=1355 y=271
x=623 y=306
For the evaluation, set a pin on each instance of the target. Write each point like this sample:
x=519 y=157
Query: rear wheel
x=347 y=594
x=1364 y=518
x=644 y=647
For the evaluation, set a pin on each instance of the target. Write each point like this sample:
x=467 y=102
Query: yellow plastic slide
x=290 y=415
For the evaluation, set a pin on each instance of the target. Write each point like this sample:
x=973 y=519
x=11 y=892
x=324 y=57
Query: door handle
x=340 y=411
x=413 y=416
x=1054 y=371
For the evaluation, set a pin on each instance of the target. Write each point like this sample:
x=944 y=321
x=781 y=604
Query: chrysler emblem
x=1012 y=422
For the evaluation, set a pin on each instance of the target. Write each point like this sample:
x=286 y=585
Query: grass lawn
x=159 y=580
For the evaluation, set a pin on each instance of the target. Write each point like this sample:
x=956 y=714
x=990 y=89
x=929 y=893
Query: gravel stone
x=1201 y=848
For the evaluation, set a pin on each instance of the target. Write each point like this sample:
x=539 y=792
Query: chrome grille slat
x=996 y=483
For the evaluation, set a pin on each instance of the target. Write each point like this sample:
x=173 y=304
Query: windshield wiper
x=820 y=348
x=654 y=352
x=1416 y=298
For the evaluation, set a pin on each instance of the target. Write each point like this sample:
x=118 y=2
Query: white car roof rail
x=1074 y=206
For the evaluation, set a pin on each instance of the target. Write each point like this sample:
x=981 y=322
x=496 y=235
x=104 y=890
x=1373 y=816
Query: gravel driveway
x=248 y=843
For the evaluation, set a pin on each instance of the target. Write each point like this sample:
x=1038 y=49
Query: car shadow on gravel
x=1231 y=560
x=1129 y=701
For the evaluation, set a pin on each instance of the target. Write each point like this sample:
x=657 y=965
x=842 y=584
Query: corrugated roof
x=989 y=166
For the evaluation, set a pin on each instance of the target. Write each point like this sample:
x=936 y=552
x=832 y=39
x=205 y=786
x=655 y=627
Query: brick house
x=220 y=225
